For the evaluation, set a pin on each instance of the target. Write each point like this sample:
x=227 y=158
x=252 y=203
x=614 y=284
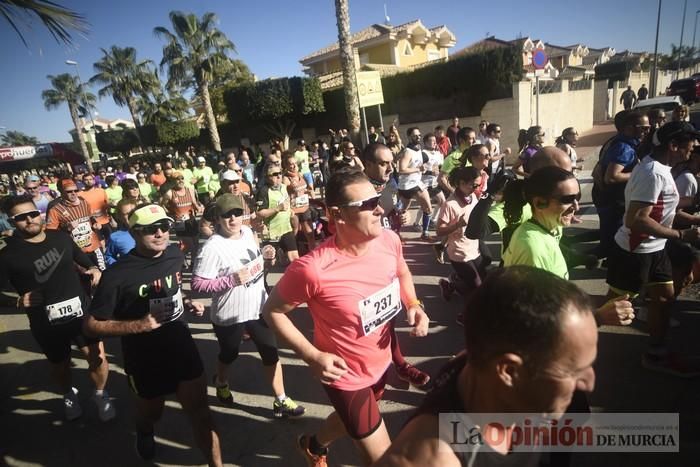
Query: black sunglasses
x=276 y=174
x=569 y=199
x=22 y=217
x=153 y=228
x=70 y=191
x=369 y=204
x=235 y=212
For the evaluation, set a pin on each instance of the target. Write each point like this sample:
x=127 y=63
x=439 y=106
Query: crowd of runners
x=93 y=255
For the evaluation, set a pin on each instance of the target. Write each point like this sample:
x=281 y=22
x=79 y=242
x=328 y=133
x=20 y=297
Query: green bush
x=460 y=86
x=121 y=141
x=176 y=133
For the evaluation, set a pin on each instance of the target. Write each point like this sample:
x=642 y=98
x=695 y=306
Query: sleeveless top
x=182 y=205
x=409 y=181
x=298 y=194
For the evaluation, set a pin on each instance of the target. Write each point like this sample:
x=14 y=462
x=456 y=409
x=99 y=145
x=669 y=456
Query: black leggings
x=229 y=338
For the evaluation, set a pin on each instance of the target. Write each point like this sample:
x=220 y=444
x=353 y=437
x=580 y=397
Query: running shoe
x=105 y=408
x=287 y=408
x=146 y=445
x=446 y=289
x=71 y=405
x=671 y=364
x=223 y=393
x=439 y=250
x=312 y=460
x=412 y=375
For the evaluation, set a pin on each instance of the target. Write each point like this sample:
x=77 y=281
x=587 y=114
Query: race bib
x=301 y=200
x=65 y=310
x=380 y=307
x=82 y=234
x=255 y=269
x=168 y=308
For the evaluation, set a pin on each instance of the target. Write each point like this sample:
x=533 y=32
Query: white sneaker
x=71 y=405
x=105 y=408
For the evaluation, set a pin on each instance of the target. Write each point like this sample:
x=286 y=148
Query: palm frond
x=59 y=20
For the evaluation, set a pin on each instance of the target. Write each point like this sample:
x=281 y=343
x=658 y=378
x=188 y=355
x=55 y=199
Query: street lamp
x=87 y=105
x=695 y=53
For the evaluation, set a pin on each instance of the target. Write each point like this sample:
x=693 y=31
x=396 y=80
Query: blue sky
x=272 y=35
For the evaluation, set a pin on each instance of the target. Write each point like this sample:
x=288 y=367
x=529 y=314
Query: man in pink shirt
x=354 y=284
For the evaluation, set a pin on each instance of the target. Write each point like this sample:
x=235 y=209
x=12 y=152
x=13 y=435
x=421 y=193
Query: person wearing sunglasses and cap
x=231 y=183
x=230 y=267
x=274 y=207
x=354 y=283
x=140 y=298
x=32 y=186
x=40 y=265
x=73 y=215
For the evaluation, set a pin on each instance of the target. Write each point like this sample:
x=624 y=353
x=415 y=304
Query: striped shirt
x=221 y=257
x=76 y=220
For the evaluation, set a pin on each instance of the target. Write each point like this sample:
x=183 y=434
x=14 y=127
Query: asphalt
x=33 y=433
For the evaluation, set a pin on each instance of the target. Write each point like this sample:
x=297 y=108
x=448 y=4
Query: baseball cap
x=147 y=215
x=230 y=175
x=201 y=159
x=68 y=183
x=674 y=130
x=33 y=178
x=227 y=202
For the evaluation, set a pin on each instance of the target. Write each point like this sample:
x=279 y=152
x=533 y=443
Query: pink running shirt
x=341 y=292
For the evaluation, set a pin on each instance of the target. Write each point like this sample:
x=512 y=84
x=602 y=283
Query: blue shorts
x=309 y=178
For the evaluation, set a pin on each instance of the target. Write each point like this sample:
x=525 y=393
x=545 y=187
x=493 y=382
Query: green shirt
x=114 y=195
x=146 y=190
x=451 y=161
x=496 y=213
x=188 y=175
x=280 y=223
x=203 y=177
x=532 y=245
x=302 y=158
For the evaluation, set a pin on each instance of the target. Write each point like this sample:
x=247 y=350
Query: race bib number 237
x=380 y=307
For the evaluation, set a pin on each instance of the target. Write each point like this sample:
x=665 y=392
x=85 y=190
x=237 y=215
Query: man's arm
x=415 y=314
x=443 y=181
x=404 y=161
x=419 y=445
x=614 y=174
x=638 y=218
x=110 y=328
x=326 y=366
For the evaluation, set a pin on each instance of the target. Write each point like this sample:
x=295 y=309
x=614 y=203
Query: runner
x=120 y=243
x=182 y=204
x=354 y=283
x=140 y=299
x=273 y=206
x=377 y=159
x=530 y=343
x=299 y=194
x=41 y=200
x=410 y=184
x=230 y=266
x=39 y=264
x=72 y=214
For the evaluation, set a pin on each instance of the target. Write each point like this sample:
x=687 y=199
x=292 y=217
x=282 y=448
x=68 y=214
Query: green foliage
x=274 y=99
x=121 y=141
x=460 y=86
x=176 y=133
x=58 y=20
x=615 y=71
x=13 y=138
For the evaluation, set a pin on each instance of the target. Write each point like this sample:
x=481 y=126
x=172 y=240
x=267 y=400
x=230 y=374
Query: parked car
x=667 y=103
x=687 y=88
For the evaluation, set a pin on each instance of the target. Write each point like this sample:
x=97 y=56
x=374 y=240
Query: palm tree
x=193 y=50
x=161 y=106
x=347 y=63
x=17 y=138
x=123 y=77
x=66 y=88
x=57 y=19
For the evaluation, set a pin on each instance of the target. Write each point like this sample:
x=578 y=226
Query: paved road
x=32 y=432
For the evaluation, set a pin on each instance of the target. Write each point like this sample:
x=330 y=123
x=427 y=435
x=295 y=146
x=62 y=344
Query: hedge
x=176 y=133
x=121 y=141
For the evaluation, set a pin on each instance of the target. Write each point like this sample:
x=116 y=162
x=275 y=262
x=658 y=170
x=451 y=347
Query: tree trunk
x=131 y=103
x=347 y=62
x=81 y=135
x=211 y=120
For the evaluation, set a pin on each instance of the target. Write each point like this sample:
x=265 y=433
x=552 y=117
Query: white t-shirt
x=687 y=184
x=220 y=257
x=432 y=167
x=496 y=144
x=460 y=249
x=651 y=182
x=406 y=182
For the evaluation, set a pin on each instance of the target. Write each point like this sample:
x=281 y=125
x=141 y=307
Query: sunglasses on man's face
x=276 y=174
x=369 y=204
x=70 y=191
x=153 y=228
x=22 y=217
x=235 y=212
x=569 y=199
x=32 y=188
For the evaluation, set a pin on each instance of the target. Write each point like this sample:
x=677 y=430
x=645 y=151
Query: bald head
x=550 y=155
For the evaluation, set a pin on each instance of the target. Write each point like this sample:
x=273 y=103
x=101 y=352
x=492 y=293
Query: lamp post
x=87 y=105
x=656 y=54
x=680 y=45
x=695 y=29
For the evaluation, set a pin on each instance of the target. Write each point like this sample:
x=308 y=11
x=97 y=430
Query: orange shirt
x=98 y=202
x=76 y=221
x=157 y=179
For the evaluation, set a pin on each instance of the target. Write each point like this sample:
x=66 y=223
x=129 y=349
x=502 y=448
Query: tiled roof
x=484 y=44
x=555 y=50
